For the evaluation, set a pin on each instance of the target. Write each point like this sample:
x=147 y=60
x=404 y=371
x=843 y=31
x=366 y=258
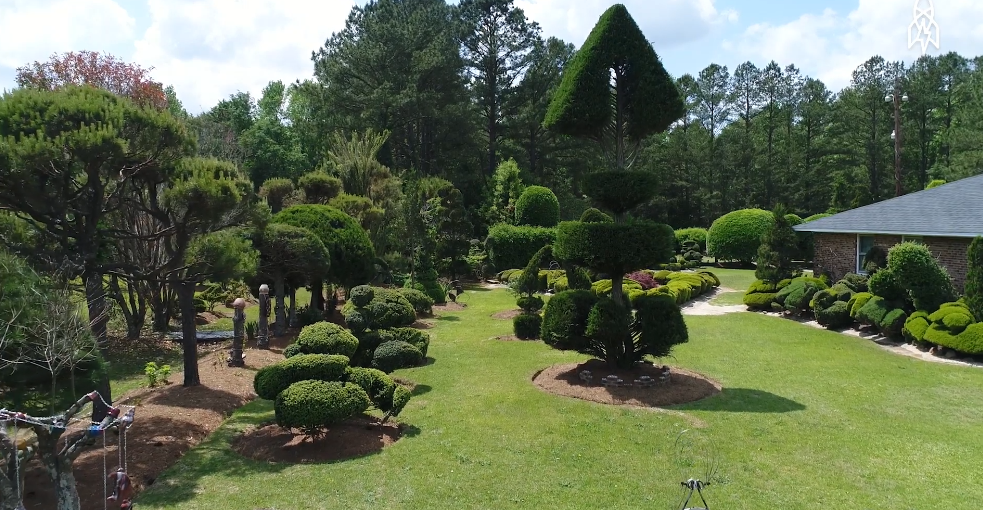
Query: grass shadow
x=420 y=389
x=744 y=400
x=194 y=397
x=473 y=287
x=448 y=318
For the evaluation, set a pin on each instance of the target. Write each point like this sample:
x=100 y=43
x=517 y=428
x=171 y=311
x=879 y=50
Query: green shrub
x=393 y=355
x=565 y=318
x=376 y=383
x=272 y=379
x=422 y=303
x=893 y=322
x=530 y=304
x=603 y=287
x=885 y=283
x=513 y=246
x=921 y=275
x=595 y=215
x=401 y=397
x=614 y=248
x=327 y=338
x=388 y=309
x=763 y=286
x=412 y=336
x=974 y=278
x=711 y=275
x=857 y=302
x=352 y=254
x=856 y=282
x=312 y=406
x=361 y=295
x=356 y=319
x=737 y=234
x=292 y=350
x=759 y=300
x=537 y=206
x=915 y=327
x=658 y=325
x=697 y=235
x=796 y=296
x=777 y=249
x=608 y=324
x=825 y=298
x=836 y=315
x=872 y=313
x=527 y=325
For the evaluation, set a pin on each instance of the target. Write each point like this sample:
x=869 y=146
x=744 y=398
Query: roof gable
x=954 y=209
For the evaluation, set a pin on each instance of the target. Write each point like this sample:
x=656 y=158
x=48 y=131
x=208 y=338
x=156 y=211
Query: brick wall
x=837 y=254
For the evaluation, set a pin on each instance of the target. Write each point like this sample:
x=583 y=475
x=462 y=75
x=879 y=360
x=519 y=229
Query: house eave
x=890 y=233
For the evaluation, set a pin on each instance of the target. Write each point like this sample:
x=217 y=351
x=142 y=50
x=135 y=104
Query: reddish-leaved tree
x=100 y=70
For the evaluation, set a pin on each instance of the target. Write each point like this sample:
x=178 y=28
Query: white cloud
x=829 y=46
x=31 y=30
x=209 y=49
x=666 y=23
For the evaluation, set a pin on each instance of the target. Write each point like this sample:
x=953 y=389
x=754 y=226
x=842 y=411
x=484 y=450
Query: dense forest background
x=463 y=88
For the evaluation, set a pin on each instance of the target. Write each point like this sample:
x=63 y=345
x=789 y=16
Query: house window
x=912 y=239
x=864 y=244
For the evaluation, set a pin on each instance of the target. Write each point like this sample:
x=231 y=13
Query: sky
x=209 y=49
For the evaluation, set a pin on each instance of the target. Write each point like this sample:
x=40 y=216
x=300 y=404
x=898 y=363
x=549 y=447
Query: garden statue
x=263 y=336
x=236 y=358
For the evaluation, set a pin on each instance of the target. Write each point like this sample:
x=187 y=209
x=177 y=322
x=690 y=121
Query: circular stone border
x=355 y=437
x=685 y=386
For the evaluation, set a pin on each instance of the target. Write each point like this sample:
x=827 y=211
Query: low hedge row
x=952 y=326
x=681 y=286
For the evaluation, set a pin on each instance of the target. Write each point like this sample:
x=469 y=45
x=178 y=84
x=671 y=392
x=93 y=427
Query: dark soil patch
x=684 y=385
x=507 y=314
x=169 y=421
x=355 y=437
x=421 y=324
x=448 y=307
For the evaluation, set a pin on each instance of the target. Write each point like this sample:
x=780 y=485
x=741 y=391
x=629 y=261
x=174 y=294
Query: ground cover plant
x=827 y=400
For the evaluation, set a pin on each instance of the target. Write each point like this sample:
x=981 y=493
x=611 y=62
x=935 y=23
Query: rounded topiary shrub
x=422 y=303
x=312 y=406
x=614 y=248
x=389 y=309
x=620 y=191
x=376 y=384
x=836 y=315
x=857 y=302
x=920 y=274
x=737 y=234
x=915 y=326
x=696 y=235
x=401 y=397
x=361 y=295
x=272 y=379
x=412 y=336
x=661 y=324
x=537 y=206
x=565 y=318
x=530 y=303
x=595 y=215
x=357 y=319
x=527 y=325
x=292 y=350
x=327 y=338
x=352 y=254
x=393 y=355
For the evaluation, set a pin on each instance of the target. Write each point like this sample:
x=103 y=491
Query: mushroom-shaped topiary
x=538 y=207
x=272 y=379
x=327 y=338
x=294 y=253
x=595 y=215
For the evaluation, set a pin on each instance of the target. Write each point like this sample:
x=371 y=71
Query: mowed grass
x=808 y=419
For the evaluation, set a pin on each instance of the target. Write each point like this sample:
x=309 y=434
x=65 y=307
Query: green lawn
x=728 y=298
x=808 y=419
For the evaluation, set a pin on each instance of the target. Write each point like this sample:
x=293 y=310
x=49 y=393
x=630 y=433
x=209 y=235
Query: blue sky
x=209 y=49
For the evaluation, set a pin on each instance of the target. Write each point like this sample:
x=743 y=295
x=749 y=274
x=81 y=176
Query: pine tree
x=778 y=246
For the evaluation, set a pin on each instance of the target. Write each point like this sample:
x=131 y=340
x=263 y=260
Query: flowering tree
x=100 y=70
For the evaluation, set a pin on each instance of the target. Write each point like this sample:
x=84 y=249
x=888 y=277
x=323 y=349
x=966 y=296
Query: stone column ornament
x=236 y=358
x=263 y=335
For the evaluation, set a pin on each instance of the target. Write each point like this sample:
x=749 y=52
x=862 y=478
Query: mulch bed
x=507 y=314
x=169 y=421
x=684 y=385
x=355 y=437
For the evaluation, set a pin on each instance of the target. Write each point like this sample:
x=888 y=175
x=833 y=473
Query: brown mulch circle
x=509 y=338
x=507 y=314
x=448 y=307
x=684 y=385
x=169 y=421
x=422 y=324
x=355 y=437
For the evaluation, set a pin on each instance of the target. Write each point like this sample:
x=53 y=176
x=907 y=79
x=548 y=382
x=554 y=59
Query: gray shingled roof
x=954 y=209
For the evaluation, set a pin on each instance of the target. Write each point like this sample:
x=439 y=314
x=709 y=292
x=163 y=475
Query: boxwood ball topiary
x=311 y=406
x=376 y=384
x=352 y=254
x=595 y=215
x=361 y=295
x=327 y=338
x=737 y=234
x=661 y=324
x=389 y=309
x=537 y=206
x=292 y=350
x=391 y=356
x=527 y=325
x=421 y=302
x=412 y=336
x=272 y=379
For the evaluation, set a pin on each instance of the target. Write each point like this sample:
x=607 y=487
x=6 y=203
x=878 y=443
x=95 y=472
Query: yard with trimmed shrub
x=807 y=419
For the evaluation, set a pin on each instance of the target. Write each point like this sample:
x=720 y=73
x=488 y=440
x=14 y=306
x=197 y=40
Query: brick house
x=945 y=219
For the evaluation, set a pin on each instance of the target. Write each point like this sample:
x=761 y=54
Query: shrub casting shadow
x=448 y=318
x=744 y=400
x=420 y=389
x=195 y=397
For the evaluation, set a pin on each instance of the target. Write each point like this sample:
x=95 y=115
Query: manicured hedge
x=952 y=326
x=272 y=379
x=565 y=318
x=311 y=405
x=393 y=355
x=326 y=338
x=537 y=206
x=527 y=325
x=387 y=309
x=737 y=234
x=513 y=246
x=695 y=234
x=614 y=247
